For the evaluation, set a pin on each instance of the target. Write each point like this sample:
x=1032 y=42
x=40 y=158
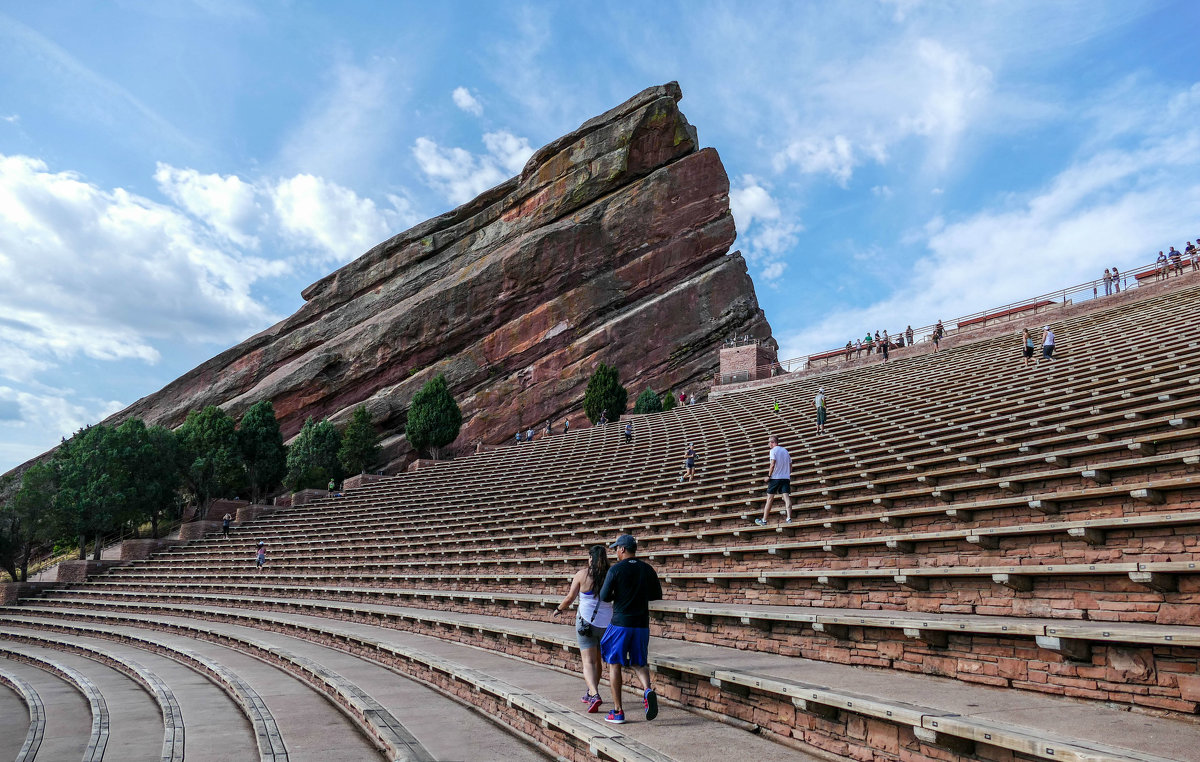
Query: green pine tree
x=209 y=457
x=604 y=393
x=434 y=418
x=360 y=444
x=647 y=402
x=262 y=448
x=312 y=458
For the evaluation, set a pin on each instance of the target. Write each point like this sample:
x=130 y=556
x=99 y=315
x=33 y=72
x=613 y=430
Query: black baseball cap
x=627 y=541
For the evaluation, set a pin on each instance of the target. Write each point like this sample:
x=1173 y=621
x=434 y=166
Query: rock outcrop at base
x=611 y=246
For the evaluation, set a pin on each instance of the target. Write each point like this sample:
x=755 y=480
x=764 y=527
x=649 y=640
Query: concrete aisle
x=135 y=724
x=14 y=721
x=676 y=733
x=447 y=729
x=215 y=729
x=68 y=718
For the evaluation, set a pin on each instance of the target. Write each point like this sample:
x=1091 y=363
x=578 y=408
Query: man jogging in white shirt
x=779 y=481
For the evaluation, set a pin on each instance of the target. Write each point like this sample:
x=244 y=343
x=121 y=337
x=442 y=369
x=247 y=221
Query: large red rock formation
x=610 y=246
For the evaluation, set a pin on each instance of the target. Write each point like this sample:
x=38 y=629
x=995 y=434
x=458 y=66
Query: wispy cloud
x=348 y=126
x=1113 y=207
x=460 y=175
x=464 y=100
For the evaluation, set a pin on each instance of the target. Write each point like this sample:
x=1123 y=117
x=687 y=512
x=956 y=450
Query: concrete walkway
x=68 y=719
x=135 y=723
x=677 y=734
x=216 y=728
x=1037 y=713
x=14 y=721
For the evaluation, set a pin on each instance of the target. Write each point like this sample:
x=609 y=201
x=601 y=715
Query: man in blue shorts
x=631 y=584
x=779 y=481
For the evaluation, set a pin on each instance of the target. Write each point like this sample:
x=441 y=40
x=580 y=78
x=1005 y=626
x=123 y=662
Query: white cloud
x=349 y=126
x=467 y=102
x=227 y=204
x=49 y=414
x=764 y=235
x=335 y=221
x=460 y=175
x=511 y=151
x=11 y=118
x=90 y=272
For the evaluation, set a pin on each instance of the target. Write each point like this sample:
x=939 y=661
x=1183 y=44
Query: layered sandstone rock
x=611 y=246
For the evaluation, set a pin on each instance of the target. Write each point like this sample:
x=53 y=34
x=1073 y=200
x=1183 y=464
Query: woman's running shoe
x=615 y=717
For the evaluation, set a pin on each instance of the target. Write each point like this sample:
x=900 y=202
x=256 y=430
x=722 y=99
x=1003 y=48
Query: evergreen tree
x=149 y=456
x=312 y=458
x=604 y=392
x=209 y=459
x=27 y=520
x=647 y=402
x=95 y=491
x=668 y=401
x=434 y=418
x=360 y=444
x=262 y=449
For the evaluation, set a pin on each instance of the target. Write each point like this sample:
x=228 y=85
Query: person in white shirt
x=1047 y=343
x=819 y=401
x=779 y=482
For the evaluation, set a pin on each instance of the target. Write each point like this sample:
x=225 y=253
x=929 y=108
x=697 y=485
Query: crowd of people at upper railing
x=883 y=343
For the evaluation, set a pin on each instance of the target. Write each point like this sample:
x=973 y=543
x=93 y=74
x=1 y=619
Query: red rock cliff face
x=611 y=246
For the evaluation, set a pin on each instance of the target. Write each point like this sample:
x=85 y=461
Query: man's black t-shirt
x=631 y=585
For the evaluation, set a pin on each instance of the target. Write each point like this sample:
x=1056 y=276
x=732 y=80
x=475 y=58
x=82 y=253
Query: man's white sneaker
x=760 y=522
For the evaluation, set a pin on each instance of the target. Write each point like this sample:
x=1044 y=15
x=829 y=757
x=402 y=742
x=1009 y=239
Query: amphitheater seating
x=986 y=561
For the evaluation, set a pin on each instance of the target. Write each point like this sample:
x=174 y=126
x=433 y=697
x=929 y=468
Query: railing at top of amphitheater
x=1092 y=289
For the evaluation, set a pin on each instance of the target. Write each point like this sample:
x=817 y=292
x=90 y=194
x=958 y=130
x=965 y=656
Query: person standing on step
x=549 y=429
x=332 y=486
x=566 y=425
x=628 y=432
x=225 y=525
x=591 y=620
x=1107 y=282
x=908 y=336
x=1047 y=343
x=885 y=344
x=1176 y=260
x=630 y=584
x=689 y=463
x=691 y=399
x=779 y=481
x=529 y=435
x=1193 y=254
x=938 y=331
x=819 y=402
x=1116 y=281
x=260 y=558
x=1162 y=264
x=1027 y=345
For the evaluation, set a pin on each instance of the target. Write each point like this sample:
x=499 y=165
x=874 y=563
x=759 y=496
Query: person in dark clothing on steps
x=631 y=584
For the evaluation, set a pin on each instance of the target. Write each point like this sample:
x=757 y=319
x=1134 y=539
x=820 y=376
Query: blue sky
x=173 y=174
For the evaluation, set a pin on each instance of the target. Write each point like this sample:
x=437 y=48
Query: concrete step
x=216 y=729
x=68 y=717
x=135 y=724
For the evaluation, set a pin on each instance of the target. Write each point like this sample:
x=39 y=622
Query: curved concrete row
x=173 y=723
x=37 y=715
x=809 y=696
x=542 y=720
x=98 y=738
